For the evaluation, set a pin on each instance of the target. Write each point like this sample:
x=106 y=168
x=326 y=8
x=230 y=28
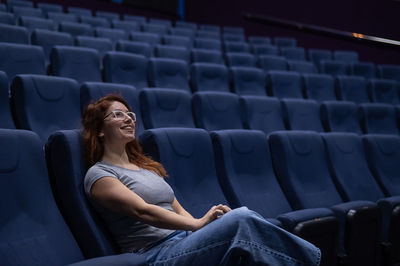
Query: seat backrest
x=389 y=72
x=6 y=120
x=301 y=166
x=285 y=41
x=125 y=25
x=378 y=118
x=11 y=4
x=259 y=40
x=248 y=81
x=319 y=87
x=112 y=34
x=76 y=29
x=102 y=45
x=271 y=62
x=316 y=55
x=176 y=40
x=172 y=52
x=108 y=15
x=166 y=108
x=383 y=155
x=92 y=91
x=265 y=49
x=135 y=18
x=208 y=44
x=303 y=67
x=185 y=25
x=284 y=84
x=79 y=11
x=79 y=63
x=13 y=34
x=188 y=158
x=45 y=104
x=169 y=73
x=261 y=113
x=46 y=7
x=151 y=38
x=384 y=91
x=160 y=21
x=47 y=39
x=140 y=48
x=33 y=231
x=21 y=59
x=94 y=21
x=216 y=110
x=345 y=56
x=182 y=32
x=155 y=28
x=300 y=114
x=240 y=59
x=236 y=46
x=31 y=23
x=27 y=11
x=333 y=67
x=340 y=116
x=352 y=88
x=7 y=18
x=349 y=167
x=206 y=56
x=293 y=53
x=363 y=69
x=209 y=77
x=234 y=37
x=59 y=17
x=205 y=34
x=244 y=169
x=126 y=68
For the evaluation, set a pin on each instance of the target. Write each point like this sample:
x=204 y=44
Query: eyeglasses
x=120 y=115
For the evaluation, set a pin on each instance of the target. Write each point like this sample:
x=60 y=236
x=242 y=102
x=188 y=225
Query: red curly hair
x=92 y=121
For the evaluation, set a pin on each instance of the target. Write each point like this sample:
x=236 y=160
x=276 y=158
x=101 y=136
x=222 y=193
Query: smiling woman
x=144 y=216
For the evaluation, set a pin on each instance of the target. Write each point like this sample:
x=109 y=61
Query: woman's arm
x=176 y=206
x=114 y=195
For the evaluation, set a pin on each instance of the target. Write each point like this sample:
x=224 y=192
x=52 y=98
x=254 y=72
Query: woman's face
x=118 y=125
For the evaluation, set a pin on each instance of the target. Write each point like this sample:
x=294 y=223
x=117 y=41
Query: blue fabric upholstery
x=126 y=68
x=352 y=88
x=27 y=11
x=285 y=41
x=21 y=59
x=303 y=67
x=248 y=81
x=45 y=104
x=169 y=73
x=389 y=72
x=102 y=45
x=316 y=55
x=261 y=113
x=160 y=21
x=216 y=110
x=14 y=3
x=233 y=37
x=92 y=91
x=47 y=39
x=108 y=15
x=125 y=25
x=300 y=114
x=59 y=17
x=187 y=155
x=155 y=28
x=112 y=34
x=166 y=108
x=271 y=62
x=6 y=120
x=293 y=53
x=79 y=63
x=135 y=18
x=319 y=87
x=345 y=56
x=378 y=118
x=33 y=231
x=284 y=84
x=31 y=23
x=64 y=154
x=209 y=77
x=240 y=59
x=203 y=43
x=340 y=116
x=259 y=40
x=209 y=27
x=7 y=18
x=238 y=47
x=172 y=52
x=230 y=29
x=46 y=7
x=151 y=38
x=76 y=29
x=384 y=91
x=206 y=34
x=363 y=69
x=265 y=49
x=180 y=41
x=185 y=25
x=207 y=56
x=140 y=48
x=14 y=34
x=182 y=32
x=79 y=11
x=333 y=67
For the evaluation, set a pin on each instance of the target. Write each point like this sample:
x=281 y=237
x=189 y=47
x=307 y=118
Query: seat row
x=337 y=190
x=44 y=104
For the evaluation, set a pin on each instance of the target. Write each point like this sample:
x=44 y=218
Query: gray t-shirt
x=131 y=234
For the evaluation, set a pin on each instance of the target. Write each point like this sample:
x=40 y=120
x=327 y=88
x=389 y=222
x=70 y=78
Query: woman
x=140 y=209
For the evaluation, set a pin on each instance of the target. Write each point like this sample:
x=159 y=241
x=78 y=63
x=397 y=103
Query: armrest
x=126 y=259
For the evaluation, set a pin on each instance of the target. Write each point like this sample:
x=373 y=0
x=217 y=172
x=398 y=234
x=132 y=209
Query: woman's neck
x=115 y=155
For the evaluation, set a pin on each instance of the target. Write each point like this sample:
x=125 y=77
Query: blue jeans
x=239 y=237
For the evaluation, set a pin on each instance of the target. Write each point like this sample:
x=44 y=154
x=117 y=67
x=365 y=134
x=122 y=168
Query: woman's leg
x=240 y=237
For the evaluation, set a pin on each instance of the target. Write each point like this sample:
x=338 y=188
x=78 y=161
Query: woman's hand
x=214 y=213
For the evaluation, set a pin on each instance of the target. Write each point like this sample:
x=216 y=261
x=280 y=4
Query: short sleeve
x=95 y=173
